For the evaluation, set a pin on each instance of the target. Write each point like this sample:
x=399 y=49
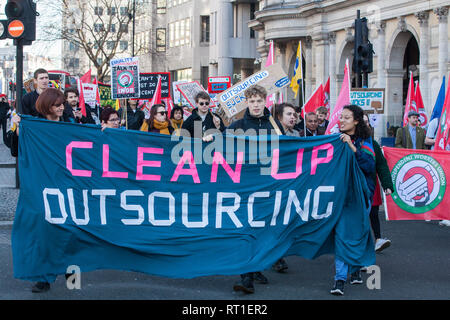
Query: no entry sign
x=16 y=28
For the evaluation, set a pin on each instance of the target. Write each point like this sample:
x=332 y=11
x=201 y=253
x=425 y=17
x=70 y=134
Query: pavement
x=415 y=267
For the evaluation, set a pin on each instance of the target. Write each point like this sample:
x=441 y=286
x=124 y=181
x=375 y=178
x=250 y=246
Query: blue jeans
x=342 y=268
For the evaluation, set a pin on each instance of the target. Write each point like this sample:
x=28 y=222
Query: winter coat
x=207 y=124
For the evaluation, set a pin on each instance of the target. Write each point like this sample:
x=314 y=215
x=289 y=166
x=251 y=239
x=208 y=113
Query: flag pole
x=303 y=104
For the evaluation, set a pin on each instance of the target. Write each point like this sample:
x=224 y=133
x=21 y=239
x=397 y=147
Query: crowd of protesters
x=283 y=119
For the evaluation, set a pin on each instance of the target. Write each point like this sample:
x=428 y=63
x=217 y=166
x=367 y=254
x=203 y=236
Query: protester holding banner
x=176 y=119
x=411 y=136
x=50 y=106
x=109 y=118
x=285 y=113
x=357 y=135
x=258 y=118
x=158 y=121
x=72 y=111
x=202 y=117
x=383 y=173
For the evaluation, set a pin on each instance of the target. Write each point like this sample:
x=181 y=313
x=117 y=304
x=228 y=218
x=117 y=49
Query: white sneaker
x=445 y=223
x=382 y=244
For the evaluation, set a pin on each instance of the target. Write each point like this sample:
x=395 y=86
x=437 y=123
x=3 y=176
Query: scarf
x=176 y=124
x=163 y=127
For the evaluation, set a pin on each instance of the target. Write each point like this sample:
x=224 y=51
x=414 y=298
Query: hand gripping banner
x=179 y=207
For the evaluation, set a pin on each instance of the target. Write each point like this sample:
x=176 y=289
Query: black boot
x=40 y=287
x=246 y=283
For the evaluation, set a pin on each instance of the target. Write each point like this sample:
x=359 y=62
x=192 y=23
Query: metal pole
x=19 y=85
x=134 y=25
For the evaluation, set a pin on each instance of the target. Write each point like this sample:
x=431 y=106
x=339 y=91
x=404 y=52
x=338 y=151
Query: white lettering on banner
x=233 y=209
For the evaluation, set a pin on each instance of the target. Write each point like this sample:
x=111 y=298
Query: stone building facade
x=406 y=35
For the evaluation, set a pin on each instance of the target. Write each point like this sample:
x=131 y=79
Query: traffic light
x=363 y=50
x=21 y=23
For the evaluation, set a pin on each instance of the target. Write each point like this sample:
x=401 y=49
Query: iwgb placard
x=125 y=78
x=420 y=179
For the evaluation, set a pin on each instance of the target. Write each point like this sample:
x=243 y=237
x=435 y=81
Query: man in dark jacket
x=256 y=121
x=41 y=81
x=4 y=108
x=202 y=119
x=72 y=111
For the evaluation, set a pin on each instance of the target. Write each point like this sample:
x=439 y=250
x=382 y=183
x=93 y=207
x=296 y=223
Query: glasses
x=203 y=104
x=163 y=113
x=114 y=120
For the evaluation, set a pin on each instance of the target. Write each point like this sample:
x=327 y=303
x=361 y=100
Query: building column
x=423 y=66
x=224 y=32
x=332 y=67
x=321 y=42
x=381 y=55
x=442 y=14
x=308 y=66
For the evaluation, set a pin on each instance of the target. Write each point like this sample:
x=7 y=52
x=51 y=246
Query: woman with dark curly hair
x=176 y=118
x=357 y=135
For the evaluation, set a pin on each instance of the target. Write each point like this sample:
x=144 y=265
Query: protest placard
x=148 y=82
x=370 y=100
x=272 y=78
x=125 y=78
x=189 y=89
x=105 y=95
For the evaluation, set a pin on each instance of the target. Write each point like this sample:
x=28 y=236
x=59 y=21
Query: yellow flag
x=117 y=106
x=298 y=70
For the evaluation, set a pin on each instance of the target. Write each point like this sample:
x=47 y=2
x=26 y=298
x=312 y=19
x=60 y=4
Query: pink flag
x=271 y=99
x=410 y=103
x=342 y=100
x=315 y=101
x=420 y=106
x=281 y=98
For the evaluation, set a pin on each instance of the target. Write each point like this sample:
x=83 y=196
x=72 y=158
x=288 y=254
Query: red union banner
x=420 y=178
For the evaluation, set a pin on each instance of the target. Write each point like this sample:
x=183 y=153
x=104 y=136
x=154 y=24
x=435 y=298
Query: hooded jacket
x=208 y=123
x=257 y=124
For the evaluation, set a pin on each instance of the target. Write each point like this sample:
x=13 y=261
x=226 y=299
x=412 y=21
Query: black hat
x=413 y=113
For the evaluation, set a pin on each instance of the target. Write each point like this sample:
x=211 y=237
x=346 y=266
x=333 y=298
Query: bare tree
x=94 y=27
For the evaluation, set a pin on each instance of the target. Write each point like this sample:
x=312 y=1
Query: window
x=112 y=27
x=98 y=27
x=252 y=17
x=73 y=46
x=123 y=11
x=124 y=28
x=183 y=74
x=112 y=11
x=123 y=45
x=204 y=35
x=110 y=45
x=180 y=33
x=161 y=40
x=100 y=61
x=161 y=6
x=98 y=11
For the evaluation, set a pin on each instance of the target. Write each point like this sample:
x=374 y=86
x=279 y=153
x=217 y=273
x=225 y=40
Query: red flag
x=442 y=135
x=86 y=78
x=315 y=101
x=169 y=105
x=343 y=99
x=420 y=107
x=157 y=95
x=410 y=102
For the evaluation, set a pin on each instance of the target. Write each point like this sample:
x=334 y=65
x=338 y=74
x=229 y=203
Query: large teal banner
x=180 y=207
